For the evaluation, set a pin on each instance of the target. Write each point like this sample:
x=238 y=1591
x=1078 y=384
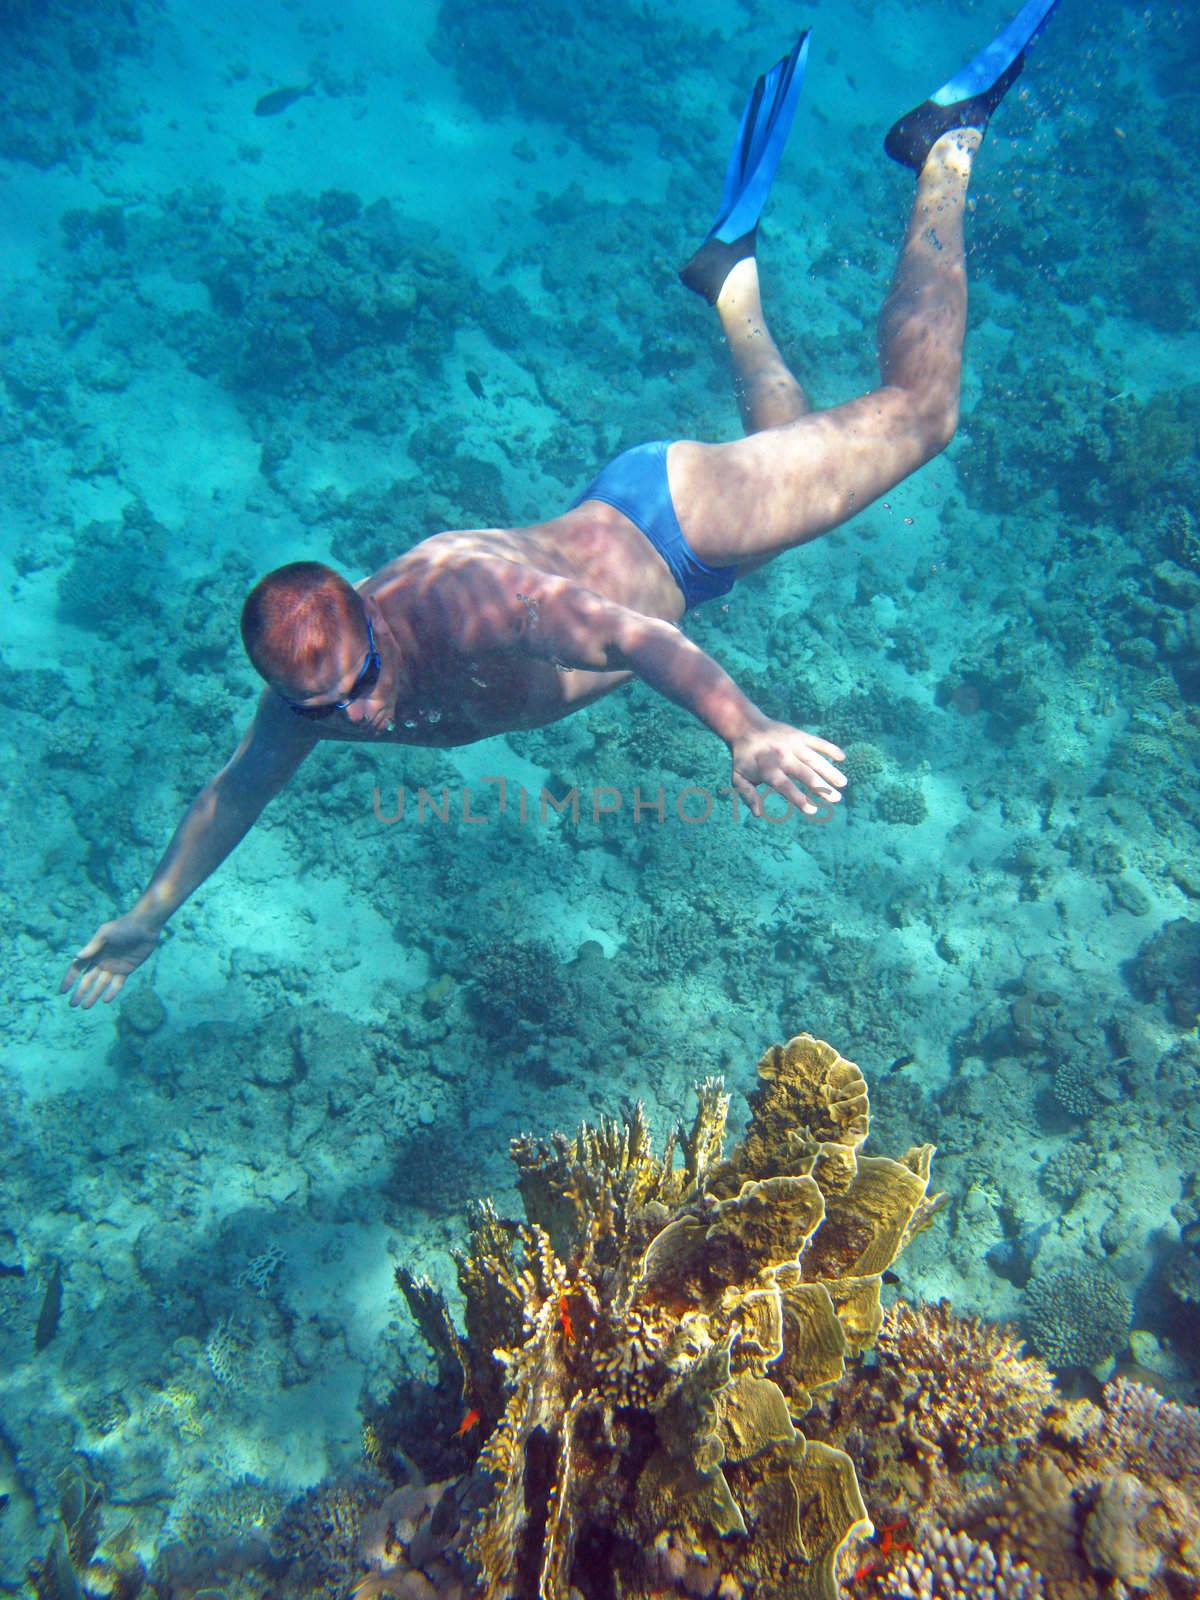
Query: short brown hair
x=292 y=616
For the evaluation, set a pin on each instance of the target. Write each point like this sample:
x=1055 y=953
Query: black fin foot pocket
x=706 y=272
x=910 y=140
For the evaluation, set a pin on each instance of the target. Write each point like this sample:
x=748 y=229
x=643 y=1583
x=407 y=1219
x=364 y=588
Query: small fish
x=47 y=1322
x=471 y=1420
x=901 y=1061
x=475 y=384
x=564 y=1317
x=11 y=1272
x=888 y=1543
x=280 y=99
x=891 y=1278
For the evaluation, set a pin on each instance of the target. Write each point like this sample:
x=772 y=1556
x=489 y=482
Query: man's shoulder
x=448 y=553
x=476 y=563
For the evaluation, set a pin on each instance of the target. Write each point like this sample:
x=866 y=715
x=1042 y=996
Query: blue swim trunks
x=636 y=484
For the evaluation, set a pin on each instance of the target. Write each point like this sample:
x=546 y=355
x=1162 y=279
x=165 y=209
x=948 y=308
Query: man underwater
x=487 y=631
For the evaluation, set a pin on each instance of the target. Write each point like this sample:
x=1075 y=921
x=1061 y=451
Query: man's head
x=306 y=632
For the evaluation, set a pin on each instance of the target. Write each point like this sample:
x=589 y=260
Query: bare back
x=455 y=585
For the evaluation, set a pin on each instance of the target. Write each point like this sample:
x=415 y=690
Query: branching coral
x=644 y=1345
x=319 y=1533
x=950 y=1566
x=1146 y=1433
x=962 y=1386
x=946 y=1399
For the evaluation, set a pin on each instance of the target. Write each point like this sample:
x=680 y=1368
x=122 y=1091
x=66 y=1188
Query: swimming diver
x=486 y=631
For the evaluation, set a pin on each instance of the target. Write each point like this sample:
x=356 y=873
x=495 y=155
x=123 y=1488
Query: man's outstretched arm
x=216 y=821
x=574 y=627
x=797 y=765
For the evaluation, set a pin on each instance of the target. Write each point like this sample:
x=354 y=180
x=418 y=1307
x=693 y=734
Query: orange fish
x=889 y=1542
x=889 y=1545
x=564 y=1316
x=471 y=1420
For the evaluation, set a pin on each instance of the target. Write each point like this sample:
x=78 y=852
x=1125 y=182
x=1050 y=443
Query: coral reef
x=506 y=56
x=681 y=1380
x=1083 y=1501
x=65 y=90
x=305 y=367
x=678 y=1378
x=946 y=1400
x=642 y=1350
x=1106 y=1504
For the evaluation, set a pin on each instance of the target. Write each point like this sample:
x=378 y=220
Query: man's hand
x=114 y=951
x=783 y=758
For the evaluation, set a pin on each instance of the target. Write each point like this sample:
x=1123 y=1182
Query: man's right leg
x=742 y=503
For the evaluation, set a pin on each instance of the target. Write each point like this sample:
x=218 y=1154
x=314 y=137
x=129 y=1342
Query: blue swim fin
x=971 y=96
x=753 y=162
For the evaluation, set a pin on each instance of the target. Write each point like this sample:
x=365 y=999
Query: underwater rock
x=1167 y=967
x=142 y=1014
x=1066 y=1169
x=642 y=1349
x=1013 y=1257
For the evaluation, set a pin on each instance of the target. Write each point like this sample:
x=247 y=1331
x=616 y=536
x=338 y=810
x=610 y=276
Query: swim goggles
x=367 y=678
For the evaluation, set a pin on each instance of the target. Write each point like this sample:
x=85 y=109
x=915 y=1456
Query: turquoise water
x=439 y=291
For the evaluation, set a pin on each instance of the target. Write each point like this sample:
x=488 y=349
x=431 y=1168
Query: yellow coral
x=665 y=1353
x=644 y=1346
